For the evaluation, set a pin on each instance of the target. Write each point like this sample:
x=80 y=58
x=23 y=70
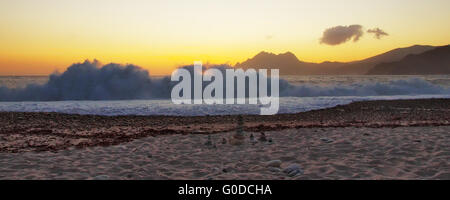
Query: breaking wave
x=91 y=81
x=411 y=86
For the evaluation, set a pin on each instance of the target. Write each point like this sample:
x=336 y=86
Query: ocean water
x=298 y=94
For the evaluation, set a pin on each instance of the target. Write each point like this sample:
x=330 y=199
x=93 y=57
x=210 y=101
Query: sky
x=39 y=37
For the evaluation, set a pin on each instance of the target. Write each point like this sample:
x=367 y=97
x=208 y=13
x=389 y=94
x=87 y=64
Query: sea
x=304 y=93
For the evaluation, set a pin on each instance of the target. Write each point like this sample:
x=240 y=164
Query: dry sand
x=322 y=153
x=408 y=139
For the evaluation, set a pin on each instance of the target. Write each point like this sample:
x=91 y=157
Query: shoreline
x=23 y=132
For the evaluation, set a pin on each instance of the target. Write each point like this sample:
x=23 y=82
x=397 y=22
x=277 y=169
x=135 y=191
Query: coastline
x=22 y=132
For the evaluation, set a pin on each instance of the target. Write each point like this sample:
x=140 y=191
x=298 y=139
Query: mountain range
x=436 y=61
x=417 y=59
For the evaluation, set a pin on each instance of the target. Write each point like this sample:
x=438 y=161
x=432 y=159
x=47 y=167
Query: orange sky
x=38 y=37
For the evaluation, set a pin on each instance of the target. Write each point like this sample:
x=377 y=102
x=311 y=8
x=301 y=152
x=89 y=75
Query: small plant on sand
x=208 y=141
x=262 y=137
x=238 y=137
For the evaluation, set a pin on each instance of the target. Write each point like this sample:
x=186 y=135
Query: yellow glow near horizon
x=38 y=37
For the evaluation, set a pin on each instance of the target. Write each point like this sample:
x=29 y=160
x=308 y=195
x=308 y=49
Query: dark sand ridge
x=22 y=132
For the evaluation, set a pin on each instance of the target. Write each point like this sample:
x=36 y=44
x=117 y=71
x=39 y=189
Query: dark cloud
x=341 y=34
x=378 y=33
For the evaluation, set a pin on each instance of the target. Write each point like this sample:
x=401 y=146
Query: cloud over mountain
x=378 y=33
x=341 y=34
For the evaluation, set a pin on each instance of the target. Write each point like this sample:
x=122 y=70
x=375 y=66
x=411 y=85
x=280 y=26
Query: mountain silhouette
x=363 y=66
x=436 y=61
x=289 y=64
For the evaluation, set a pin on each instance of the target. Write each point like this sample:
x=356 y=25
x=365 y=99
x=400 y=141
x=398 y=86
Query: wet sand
x=404 y=139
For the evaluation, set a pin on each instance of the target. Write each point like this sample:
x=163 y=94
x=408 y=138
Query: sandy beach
x=400 y=139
